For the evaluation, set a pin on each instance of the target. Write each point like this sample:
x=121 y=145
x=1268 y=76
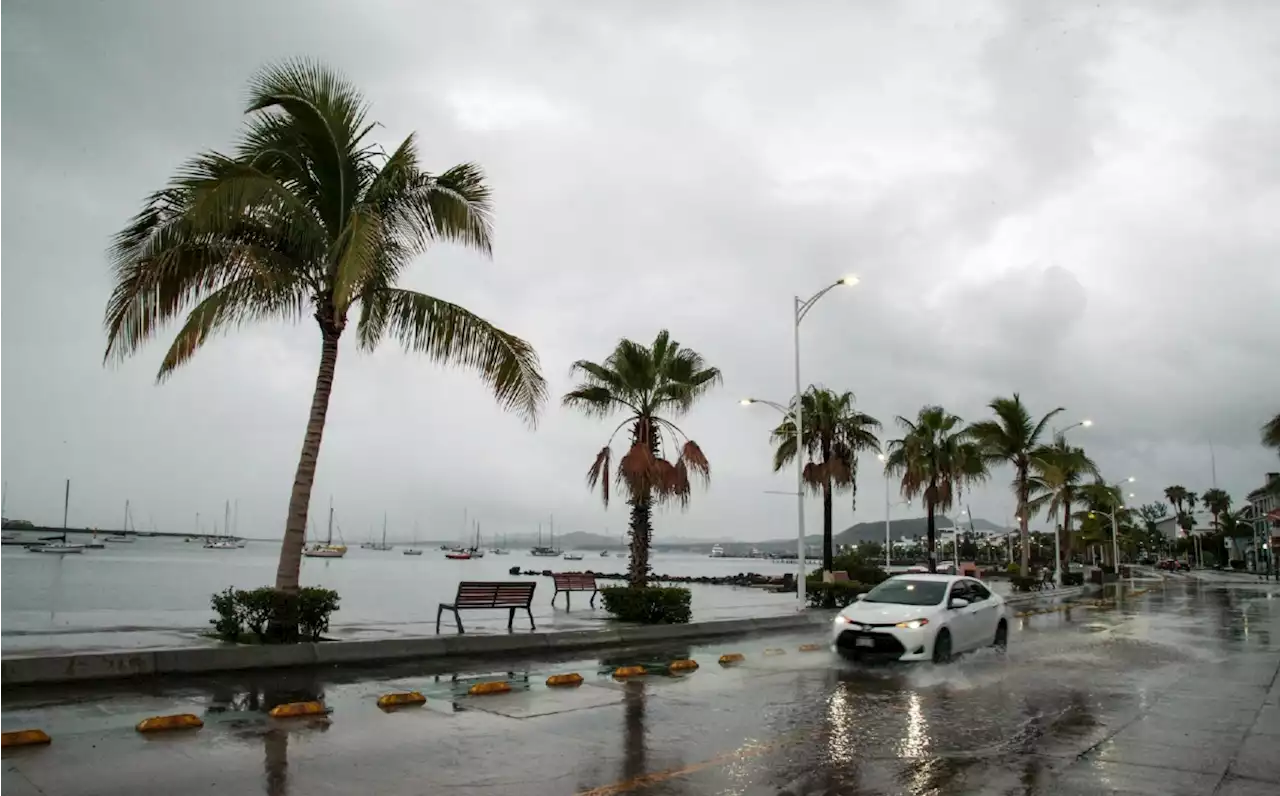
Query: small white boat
x=324 y=551
x=121 y=539
x=57 y=547
x=221 y=544
x=573 y=556
x=498 y=551
x=717 y=552
x=412 y=551
x=604 y=553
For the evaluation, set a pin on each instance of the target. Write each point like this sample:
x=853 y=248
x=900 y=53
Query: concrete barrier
x=26 y=670
x=88 y=666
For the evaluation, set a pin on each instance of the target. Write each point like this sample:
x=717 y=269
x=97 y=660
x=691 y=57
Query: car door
x=985 y=613
x=961 y=619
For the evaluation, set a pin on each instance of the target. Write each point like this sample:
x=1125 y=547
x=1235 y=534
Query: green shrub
x=1024 y=584
x=314 y=607
x=1013 y=568
x=651 y=605
x=229 y=622
x=245 y=615
x=859 y=568
x=833 y=595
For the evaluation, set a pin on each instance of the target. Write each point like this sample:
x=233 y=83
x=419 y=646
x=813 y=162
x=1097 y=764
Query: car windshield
x=904 y=591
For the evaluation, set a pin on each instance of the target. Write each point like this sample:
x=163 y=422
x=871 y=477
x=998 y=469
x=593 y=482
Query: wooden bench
x=570 y=582
x=474 y=595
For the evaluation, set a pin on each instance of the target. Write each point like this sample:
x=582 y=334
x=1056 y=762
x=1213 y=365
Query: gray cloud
x=1073 y=201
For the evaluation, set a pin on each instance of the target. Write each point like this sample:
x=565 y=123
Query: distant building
x=1201 y=523
x=1264 y=510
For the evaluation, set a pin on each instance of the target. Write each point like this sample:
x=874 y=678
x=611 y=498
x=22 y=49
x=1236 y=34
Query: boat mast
x=226 y=518
x=384 y=530
x=66 y=507
x=329 y=539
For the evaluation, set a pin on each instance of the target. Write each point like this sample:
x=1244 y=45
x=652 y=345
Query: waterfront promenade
x=1170 y=692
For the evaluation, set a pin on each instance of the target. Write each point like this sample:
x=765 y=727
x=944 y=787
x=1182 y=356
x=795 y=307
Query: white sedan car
x=921 y=618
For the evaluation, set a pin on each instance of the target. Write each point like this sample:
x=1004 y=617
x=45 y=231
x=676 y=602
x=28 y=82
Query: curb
x=96 y=666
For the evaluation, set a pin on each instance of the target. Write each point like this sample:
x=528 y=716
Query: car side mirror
x=862 y=596
x=958 y=602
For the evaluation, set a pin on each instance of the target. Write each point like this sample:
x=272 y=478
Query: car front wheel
x=1002 y=636
x=942 y=647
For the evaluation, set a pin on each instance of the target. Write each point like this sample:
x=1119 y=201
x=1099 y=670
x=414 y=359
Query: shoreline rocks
x=785 y=582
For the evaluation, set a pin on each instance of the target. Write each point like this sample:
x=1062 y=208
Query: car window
x=908 y=591
x=960 y=590
x=977 y=591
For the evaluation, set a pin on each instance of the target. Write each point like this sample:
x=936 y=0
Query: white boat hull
x=60 y=549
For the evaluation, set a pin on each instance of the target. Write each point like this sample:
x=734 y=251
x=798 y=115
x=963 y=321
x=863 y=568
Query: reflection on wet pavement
x=1171 y=692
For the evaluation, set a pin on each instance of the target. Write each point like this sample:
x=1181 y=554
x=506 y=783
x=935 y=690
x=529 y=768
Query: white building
x=1201 y=523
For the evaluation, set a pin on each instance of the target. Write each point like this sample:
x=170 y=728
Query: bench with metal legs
x=477 y=595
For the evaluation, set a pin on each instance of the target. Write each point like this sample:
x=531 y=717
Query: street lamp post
x=794 y=417
x=800 y=308
x=1057 y=532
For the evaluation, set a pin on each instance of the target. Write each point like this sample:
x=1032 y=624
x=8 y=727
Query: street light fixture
x=888 y=508
x=795 y=421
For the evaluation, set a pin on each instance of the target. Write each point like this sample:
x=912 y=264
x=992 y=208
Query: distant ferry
x=717 y=552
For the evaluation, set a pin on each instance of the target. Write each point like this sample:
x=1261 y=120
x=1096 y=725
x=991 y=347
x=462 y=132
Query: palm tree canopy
x=934 y=458
x=1271 y=433
x=1216 y=500
x=834 y=434
x=1013 y=437
x=650 y=385
x=1060 y=470
x=308 y=216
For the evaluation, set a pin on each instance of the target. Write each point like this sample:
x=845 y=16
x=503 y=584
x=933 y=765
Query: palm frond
x=246 y=299
x=599 y=473
x=452 y=335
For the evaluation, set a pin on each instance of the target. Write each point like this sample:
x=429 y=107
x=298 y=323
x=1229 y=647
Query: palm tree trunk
x=1023 y=520
x=641 y=535
x=285 y=625
x=641 y=513
x=931 y=540
x=827 y=540
x=1066 y=535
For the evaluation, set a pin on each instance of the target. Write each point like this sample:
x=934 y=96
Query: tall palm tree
x=1177 y=496
x=936 y=461
x=1188 y=518
x=1218 y=502
x=1096 y=527
x=309 y=217
x=834 y=434
x=649 y=385
x=1055 y=483
x=1014 y=438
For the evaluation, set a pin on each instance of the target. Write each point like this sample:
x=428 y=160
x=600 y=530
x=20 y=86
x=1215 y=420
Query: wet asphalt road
x=1172 y=692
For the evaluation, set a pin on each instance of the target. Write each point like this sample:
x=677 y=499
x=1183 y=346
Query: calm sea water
x=157 y=590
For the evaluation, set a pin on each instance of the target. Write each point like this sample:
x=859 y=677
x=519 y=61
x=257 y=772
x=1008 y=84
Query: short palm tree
x=1102 y=501
x=309 y=217
x=936 y=461
x=1013 y=437
x=1060 y=472
x=1177 y=497
x=834 y=434
x=650 y=386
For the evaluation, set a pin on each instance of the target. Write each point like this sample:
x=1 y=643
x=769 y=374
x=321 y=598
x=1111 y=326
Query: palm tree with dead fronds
x=835 y=432
x=650 y=386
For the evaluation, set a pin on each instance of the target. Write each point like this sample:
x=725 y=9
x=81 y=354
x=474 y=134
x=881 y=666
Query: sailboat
x=459 y=553
x=61 y=547
x=414 y=550
x=222 y=542
x=328 y=549
x=476 y=550
x=122 y=537
x=501 y=551
x=383 y=544
x=551 y=551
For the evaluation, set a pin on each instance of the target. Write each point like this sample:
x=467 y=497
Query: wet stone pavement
x=1171 y=692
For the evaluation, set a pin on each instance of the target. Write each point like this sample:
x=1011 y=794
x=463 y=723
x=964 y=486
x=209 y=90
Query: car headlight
x=843 y=620
x=913 y=624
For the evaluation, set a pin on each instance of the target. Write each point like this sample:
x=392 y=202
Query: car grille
x=884 y=643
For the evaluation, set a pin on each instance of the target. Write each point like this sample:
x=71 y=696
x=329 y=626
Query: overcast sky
x=1076 y=201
